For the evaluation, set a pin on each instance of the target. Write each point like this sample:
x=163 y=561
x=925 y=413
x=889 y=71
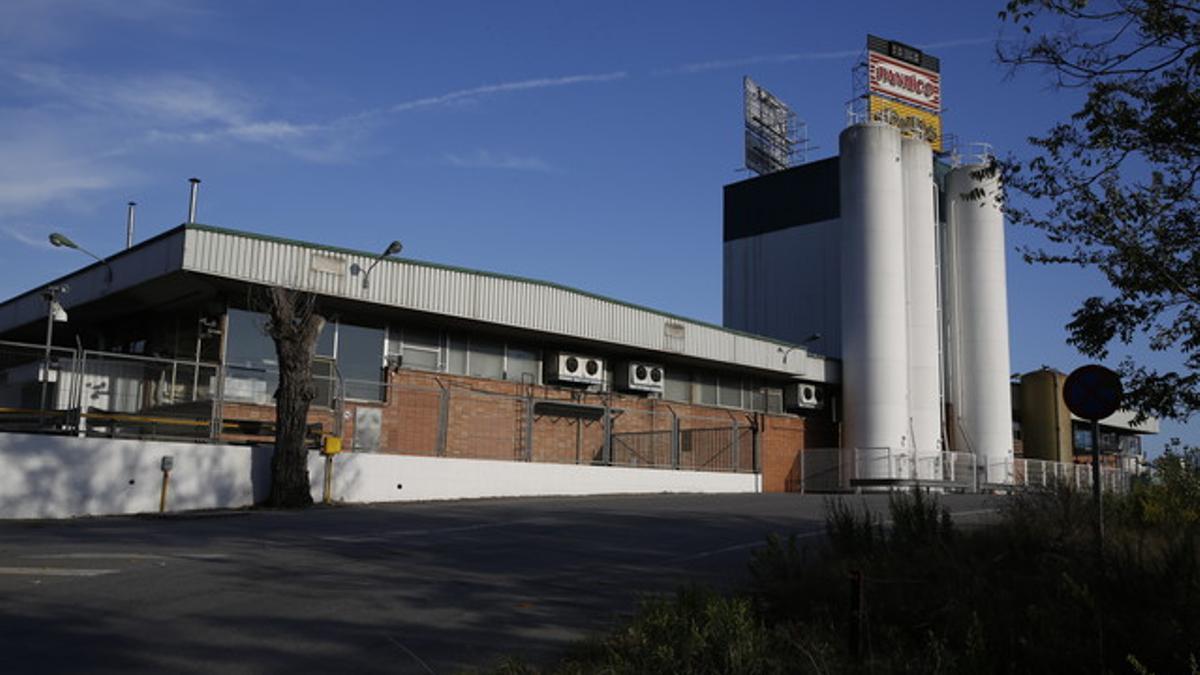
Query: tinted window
x=360 y=359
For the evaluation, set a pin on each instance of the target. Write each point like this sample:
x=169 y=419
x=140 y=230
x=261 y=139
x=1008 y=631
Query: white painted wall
x=64 y=476
x=362 y=477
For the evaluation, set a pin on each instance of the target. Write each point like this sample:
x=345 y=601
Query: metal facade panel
x=151 y=259
x=785 y=284
x=503 y=301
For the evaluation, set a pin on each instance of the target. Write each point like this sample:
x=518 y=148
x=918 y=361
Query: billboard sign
x=904 y=82
x=914 y=121
x=770 y=130
x=905 y=89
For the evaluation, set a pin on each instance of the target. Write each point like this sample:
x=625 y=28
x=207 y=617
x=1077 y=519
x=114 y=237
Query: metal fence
x=85 y=392
x=133 y=396
x=855 y=469
x=451 y=420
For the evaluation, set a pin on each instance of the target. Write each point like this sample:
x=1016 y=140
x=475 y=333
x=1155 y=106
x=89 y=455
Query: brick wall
x=488 y=419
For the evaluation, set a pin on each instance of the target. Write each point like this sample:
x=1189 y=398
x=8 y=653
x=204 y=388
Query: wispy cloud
x=173 y=98
x=484 y=159
x=42 y=26
x=52 y=161
x=22 y=235
x=502 y=87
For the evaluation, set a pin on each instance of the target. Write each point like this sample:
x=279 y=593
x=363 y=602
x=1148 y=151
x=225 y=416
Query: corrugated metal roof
x=485 y=297
x=473 y=295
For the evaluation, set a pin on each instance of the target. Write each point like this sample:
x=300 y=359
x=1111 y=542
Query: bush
x=1026 y=594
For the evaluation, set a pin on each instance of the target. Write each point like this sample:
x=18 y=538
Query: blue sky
x=583 y=143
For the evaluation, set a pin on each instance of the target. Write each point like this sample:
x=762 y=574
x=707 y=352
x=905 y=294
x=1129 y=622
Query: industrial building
x=898 y=264
x=1045 y=430
x=864 y=345
x=165 y=339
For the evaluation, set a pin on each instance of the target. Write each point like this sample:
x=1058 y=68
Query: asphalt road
x=402 y=588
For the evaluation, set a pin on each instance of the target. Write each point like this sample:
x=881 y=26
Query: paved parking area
x=420 y=588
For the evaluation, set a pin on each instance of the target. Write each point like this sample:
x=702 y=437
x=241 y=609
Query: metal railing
x=87 y=392
x=855 y=469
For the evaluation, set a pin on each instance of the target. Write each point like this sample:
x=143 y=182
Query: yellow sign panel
x=911 y=120
x=331 y=445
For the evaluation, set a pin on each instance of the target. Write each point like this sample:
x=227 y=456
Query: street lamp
x=393 y=248
x=60 y=240
x=803 y=345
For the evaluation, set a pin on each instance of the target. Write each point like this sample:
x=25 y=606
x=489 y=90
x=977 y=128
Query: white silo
x=977 y=320
x=924 y=335
x=874 y=333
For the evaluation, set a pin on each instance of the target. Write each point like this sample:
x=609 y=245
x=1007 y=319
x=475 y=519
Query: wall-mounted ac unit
x=802 y=396
x=565 y=368
x=638 y=376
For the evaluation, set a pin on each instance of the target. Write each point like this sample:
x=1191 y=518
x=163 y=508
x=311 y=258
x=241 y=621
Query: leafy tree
x=1118 y=178
x=294 y=324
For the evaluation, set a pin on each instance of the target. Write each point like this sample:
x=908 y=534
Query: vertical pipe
x=195 y=189
x=129 y=218
x=874 y=340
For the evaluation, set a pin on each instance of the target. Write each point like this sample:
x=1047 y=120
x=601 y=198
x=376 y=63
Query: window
x=252 y=369
x=418 y=348
x=678 y=386
x=1083 y=439
x=707 y=386
x=522 y=365
x=729 y=392
x=775 y=400
x=1131 y=444
x=327 y=339
x=360 y=358
x=456 y=355
x=754 y=396
x=486 y=359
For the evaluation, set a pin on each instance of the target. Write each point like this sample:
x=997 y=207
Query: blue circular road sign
x=1093 y=392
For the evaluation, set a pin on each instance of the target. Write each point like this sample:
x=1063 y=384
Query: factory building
x=864 y=345
x=1046 y=430
x=894 y=264
x=166 y=340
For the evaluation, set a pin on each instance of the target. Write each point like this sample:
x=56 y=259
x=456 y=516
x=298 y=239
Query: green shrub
x=918 y=519
x=852 y=534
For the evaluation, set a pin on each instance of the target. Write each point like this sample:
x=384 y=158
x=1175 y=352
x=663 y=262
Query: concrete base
x=64 y=476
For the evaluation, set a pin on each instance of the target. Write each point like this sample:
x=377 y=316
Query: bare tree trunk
x=294 y=326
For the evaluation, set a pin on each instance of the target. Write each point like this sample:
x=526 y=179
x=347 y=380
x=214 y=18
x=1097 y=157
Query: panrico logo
x=905 y=82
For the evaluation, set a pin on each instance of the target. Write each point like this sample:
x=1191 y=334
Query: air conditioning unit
x=637 y=376
x=566 y=368
x=801 y=396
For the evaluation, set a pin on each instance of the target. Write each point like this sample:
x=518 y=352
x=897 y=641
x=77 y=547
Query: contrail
x=520 y=85
x=721 y=64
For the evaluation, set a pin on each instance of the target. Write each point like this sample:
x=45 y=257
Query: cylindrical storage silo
x=979 y=321
x=874 y=342
x=924 y=335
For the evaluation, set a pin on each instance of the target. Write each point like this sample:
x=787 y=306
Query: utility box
x=331 y=445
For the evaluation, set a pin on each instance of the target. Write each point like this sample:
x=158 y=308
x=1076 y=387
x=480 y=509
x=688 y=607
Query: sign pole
x=1097 y=493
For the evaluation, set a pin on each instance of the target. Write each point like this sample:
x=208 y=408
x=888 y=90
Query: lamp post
x=60 y=240
x=393 y=249
x=54 y=312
